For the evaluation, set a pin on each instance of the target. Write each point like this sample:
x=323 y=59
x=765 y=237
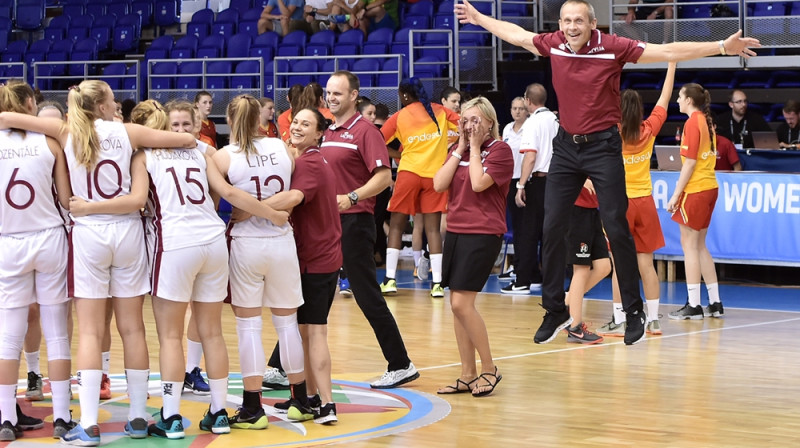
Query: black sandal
x=491 y=385
x=449 y=389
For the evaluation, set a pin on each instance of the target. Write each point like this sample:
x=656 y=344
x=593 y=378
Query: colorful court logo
x=364 y=413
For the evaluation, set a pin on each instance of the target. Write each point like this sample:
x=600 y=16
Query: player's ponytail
x=82 y=102
x=244 y=114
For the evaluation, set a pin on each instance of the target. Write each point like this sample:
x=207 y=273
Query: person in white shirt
x=512 y=134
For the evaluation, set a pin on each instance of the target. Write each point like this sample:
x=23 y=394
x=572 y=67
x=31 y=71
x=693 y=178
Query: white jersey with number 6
x=111 y=175
x=262 y=174
x=183 y=212
x=26 y=177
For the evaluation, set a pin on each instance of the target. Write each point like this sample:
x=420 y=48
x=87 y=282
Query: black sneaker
x=34 y=391
x=580 y=334
x=326 y=415
x=299 y=413
x=244 y=419
x=283 y=406
x=28 y=423
x=688 y=312
x=516 y=288
x=508 y=275
x=61 y=428
x=635 y=324
x=553 y=323
x=9 y=432
x=314 y=402
x=713 y=310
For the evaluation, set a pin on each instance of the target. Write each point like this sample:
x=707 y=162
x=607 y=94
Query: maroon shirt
x=726 y=154
x=354 y=150
x=317 y=228
x=587 y=81
x=485 y=212
x=586 y=199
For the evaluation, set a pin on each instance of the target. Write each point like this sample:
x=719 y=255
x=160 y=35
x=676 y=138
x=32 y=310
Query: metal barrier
x=54 y=78
x=13 y=70
x=421 y=66
x=283 y=74
x=529 y=21
x=479 y=46
x=208 y=80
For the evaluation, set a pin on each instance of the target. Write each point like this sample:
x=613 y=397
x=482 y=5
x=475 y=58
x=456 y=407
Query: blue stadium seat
x=96 y=8
x=378 y=41
x=248 y=80
x=484 y=7
x=712 y=80
x=768 y=26
x=5 y=31
x=390 y=79
x=102 y=34
x=73 y=9
x=13 y=72
x=427 y=67
x=365 y=70
x=514 y=9
x=241 y=5
x=112 y=70
x=200 y=25
x=445 y=7
x=218 y=67
x=29 y=14
x=751 y=79
x=57 y=28
x=226 y=21
x=190 y=75
x=293 y=44
x=639 y=81
x=83 y=50
x=160 y=48
x=61 y=50
x=303 y=65
x=212 y=46
x=442 y=21
x=36 y=53
x=15 y=51
x=127 y=33
x=248 y=21
x=166 y=13
x=784 y=79
x=354 y=38
x=435 y=40
x=163 y=82
x=270 y=40
x=184 y=48
x=129 y=83
x=119 y=8
x=145 y=10
x=692 y=11
x=79 y=27
x=418 y=22
x=282 y=67
x=6 y=10
x=472 y=36
x=420 y=8
x=324 y=39
x=239 y=46
x=328 y=67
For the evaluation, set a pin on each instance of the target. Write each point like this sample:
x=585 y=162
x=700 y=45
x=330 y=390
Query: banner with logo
x=757 y=217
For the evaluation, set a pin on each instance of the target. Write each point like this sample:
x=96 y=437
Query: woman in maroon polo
x=477 y=174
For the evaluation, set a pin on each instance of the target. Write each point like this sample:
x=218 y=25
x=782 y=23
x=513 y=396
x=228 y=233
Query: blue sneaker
x=344 y=287
x=195 y=382
x=171 y=428
x=216 y=423
x=136 y=428
x=79 y=436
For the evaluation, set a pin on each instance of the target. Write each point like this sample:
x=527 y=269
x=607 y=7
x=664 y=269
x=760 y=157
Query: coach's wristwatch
x=353 y=196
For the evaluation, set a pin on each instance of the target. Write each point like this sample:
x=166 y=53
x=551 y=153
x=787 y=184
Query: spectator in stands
x=290 y=17
x=727 y=158
x=739 y=123
x=655 y=10
x=451 y=99
x=345 y=14
x=318 y=14
x=204 y=102
x=512 y=135
x=378 y=14
x=789 y=132
x=284 y=119
x=267 y=126
x=381 y=114
x=51 y=109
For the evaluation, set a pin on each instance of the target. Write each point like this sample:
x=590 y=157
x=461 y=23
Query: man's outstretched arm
x=735 y=44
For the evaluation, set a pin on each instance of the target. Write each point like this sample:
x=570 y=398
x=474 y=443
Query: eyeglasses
x=739 y=102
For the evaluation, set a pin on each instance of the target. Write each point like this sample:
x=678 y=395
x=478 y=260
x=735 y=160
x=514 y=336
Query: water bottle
x=678 y=135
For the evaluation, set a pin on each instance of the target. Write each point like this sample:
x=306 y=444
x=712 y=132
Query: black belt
x=593 y=137
x=539 y=174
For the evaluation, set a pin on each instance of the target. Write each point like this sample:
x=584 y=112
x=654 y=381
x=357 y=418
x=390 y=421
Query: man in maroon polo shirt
x=586 y=66
x=354 y=148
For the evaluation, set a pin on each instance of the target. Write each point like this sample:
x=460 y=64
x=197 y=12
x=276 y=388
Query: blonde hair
x=151 y=114
x=13 y=97
x=487 y=110
x=182 y=106
x=82 y=101
x=244 y=115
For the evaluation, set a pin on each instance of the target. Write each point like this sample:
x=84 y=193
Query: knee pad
x=290 y=343
x=13 y=326
x=54 y=328
x=251 y=349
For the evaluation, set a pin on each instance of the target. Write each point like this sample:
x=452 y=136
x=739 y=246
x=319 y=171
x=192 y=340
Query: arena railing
x=13 y=70
x=285 y=76
x=529 y=22
x=435 y=74
x=474 y=46
x=221 y=96
x=53 y=78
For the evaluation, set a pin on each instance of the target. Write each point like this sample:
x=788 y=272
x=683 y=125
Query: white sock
x=137 y=393
x=106 y=363
x=392 y=256
x=60 y=391
x=89 y=394
x=417 y=255
x=219 y=393
x=694 y=294
x=170 y=398
x=32 y=360
x=436 y=268
x=194 y=352
x=8 y=402
x=652 y=309
x=619 y=313
x=713 y=292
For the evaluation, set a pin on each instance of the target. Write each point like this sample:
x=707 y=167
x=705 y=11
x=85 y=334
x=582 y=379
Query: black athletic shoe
x=635 y=325
x=283 y=406
x=61 y=428
x=326 y=415
x=28 y=423
x=713 y=310
x=553 y=323
x=9 y=432
x=687 y=312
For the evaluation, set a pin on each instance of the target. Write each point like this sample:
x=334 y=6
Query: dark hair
x=701 y=99
x=201 y=94
x=322 y=122
x=362 y=103
x=352 y=80
x=791 y=106
x=632 y=114
x=415 y=90
x=294 y=92
x=381 y=111
x=127 y=106
x=733 y=92
x=447 y=92
x=308 y=98
x=536 y=93
x=37 y=95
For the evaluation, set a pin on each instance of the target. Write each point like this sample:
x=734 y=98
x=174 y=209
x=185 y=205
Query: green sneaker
x=217 y=423
x=389 y=287
x=171 y=428
x=243 y=419
x=299 y=413
x=612 y=329
x=437 y=292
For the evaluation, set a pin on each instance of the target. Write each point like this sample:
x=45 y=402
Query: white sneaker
x=274 y=379
x=396 y=378
x=423 y=268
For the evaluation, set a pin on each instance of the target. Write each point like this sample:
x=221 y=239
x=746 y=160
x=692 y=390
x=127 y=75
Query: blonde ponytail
x=244 y=115
x=150 y=114
x=82 y=101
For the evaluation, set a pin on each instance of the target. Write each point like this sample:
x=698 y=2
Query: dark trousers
x=358 y=240
x=515 y=215
x=572 y=163
x=381 y=216
x=530 y=235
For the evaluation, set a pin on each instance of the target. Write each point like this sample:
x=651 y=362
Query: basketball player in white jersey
x=190 y=265
x=264 y=269
x=33 y=244
x=107 y=256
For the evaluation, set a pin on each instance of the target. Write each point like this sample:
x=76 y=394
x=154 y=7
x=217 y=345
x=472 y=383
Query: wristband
x=722 y=48
x=457 y=155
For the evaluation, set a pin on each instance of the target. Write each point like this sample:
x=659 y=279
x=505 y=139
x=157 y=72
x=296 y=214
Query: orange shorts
x=644 y=224
x=695 y=209
x=414 y=194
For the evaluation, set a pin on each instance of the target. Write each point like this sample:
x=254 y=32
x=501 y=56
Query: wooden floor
x=732 y=382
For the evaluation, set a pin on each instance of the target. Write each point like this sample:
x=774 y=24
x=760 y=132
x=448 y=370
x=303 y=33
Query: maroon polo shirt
x=317 y=228
x=481 y=213
x=354 y=150
x=587 y=81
